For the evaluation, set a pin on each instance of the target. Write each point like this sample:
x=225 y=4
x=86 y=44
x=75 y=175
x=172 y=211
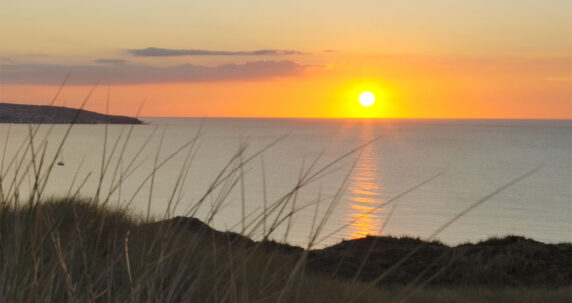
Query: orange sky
x=475 y=59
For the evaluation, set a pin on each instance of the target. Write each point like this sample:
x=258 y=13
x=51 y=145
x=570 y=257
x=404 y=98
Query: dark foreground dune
x=18 y=113
x=77 y=251
x=510 y=261
x=503 y=262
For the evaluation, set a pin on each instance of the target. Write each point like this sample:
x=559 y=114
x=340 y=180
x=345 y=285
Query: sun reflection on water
x=364 y=196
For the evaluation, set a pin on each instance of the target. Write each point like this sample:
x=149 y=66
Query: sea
x=311 y=181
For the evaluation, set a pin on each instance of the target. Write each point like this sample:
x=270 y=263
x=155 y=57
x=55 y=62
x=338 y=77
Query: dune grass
x=73 y=250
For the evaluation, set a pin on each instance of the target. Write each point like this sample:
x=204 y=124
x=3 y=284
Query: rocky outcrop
x=38 y=114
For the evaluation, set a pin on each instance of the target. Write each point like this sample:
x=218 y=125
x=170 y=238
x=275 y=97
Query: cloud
x=559 y=79
x=164 y=52
x=111 y=61
x=39 y=55
x=50 y=74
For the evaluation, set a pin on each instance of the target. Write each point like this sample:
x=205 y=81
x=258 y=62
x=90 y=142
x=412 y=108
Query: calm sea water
x=475 y=158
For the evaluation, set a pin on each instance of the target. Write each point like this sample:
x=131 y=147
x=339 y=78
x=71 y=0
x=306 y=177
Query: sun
x=366 y=99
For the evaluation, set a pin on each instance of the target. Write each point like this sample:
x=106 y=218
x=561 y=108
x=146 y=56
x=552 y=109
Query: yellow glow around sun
x=366 y=99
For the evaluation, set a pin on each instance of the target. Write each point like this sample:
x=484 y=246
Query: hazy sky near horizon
x=422 y=59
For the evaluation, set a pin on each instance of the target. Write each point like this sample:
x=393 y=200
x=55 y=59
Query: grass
x=74 y=249
x=65 y=250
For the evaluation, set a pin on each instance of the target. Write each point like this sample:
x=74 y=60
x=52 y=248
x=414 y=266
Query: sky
x=254 y=58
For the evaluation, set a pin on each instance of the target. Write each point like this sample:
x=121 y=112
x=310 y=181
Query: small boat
x=61 y=160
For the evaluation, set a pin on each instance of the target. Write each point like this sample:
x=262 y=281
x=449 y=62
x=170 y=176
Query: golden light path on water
x=364 y=193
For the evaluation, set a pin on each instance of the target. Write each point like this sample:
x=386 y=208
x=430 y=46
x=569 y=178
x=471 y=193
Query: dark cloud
x=49 y=74
x=164 y=52
x=111 y=61
x=39 y=55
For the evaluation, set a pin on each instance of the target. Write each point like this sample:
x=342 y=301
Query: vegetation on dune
x=511 y=261
x=71 y=250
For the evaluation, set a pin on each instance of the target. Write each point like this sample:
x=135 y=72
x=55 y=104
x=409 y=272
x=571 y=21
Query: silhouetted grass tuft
x=76 y=250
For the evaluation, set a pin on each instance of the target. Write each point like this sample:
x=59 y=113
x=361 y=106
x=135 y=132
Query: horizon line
x=351 y=118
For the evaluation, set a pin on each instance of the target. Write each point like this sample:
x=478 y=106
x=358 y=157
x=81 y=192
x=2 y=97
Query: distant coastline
x=42 y=114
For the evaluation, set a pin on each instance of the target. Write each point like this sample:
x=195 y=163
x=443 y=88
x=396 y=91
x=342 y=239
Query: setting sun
x=366 y=99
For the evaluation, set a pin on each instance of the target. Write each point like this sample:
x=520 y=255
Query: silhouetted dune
x=501 y=262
